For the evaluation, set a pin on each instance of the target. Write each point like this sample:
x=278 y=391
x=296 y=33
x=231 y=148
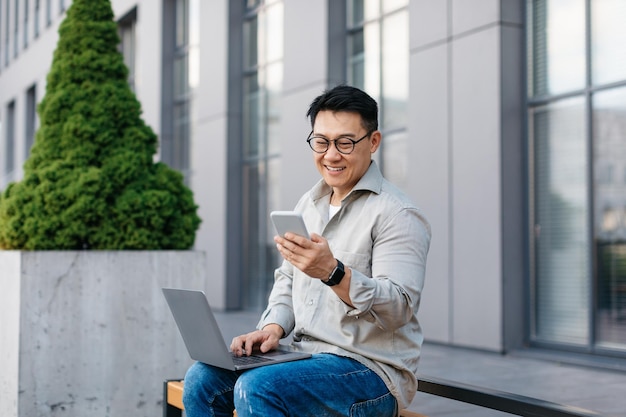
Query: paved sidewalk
x=600 y=390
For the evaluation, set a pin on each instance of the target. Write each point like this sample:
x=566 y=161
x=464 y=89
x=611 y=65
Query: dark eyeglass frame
x=328 y=142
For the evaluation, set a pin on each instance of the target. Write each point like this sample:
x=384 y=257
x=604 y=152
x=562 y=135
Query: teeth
x=334 y=169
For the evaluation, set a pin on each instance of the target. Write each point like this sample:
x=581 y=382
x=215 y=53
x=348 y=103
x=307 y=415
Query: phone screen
x=289 y=221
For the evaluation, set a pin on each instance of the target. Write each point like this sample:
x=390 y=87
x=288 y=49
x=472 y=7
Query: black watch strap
x=336 y=276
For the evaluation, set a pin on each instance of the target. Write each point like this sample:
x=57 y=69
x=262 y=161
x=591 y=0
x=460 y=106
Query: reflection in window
x=175 y=145
x=562 y=247
x=26 y=15
x=608 y=40
x=577 y=198
x=126 y=31
x=7 y=33
x=262 y=84
x=557 y=44
x=9 y=150
x=378 y=62
x=31 y=117
x=609 y=125
x=37 y=17
x=16 y=28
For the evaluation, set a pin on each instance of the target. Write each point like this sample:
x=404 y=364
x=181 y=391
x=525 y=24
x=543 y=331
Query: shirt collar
x=372 y=181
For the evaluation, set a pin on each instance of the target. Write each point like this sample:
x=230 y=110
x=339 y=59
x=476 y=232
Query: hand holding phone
x=289 y=221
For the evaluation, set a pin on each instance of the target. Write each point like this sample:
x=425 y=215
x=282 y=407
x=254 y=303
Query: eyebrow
x=343 y=135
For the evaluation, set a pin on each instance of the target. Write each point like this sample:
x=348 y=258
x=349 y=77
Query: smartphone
x=289 y=221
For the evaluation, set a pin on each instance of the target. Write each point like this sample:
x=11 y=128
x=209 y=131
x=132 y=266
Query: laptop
x=204 y=340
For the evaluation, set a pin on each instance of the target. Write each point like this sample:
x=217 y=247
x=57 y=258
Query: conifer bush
x=90 y=181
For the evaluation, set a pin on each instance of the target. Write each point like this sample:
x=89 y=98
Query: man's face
x=342 y=171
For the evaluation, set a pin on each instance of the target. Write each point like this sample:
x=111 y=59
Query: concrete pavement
x=528 y=373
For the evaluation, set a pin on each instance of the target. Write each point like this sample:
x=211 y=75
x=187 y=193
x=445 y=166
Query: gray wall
x=466 y=98
x=465 y=147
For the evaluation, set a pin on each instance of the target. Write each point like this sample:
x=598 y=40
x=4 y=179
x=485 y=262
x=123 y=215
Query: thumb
x=266 y=346
x=317 y=238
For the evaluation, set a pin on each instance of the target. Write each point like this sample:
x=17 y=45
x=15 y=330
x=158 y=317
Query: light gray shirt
x=384 y=239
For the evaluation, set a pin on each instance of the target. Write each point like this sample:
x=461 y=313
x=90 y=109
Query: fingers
x=244 y=344
x=292 y=246
x=266 y=340
x=268 y=345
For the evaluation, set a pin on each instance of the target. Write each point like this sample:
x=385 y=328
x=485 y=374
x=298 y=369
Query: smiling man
x=350 y=294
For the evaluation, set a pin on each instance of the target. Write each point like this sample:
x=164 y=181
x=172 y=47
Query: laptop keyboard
x=248 y=360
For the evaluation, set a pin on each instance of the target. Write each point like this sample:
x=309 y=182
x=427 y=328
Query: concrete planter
x=89 y=333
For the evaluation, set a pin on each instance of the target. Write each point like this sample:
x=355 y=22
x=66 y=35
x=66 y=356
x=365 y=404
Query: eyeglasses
x=343 y=144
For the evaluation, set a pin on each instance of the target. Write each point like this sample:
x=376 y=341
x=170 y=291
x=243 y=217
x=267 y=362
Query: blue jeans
x=324 y=385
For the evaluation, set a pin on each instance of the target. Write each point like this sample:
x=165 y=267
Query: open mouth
x=333 y=169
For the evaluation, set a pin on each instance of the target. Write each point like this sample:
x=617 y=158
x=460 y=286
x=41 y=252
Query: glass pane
x=259 y=252
x=395 y=158
x=372 y=60
x=273 y=203
x=362 y=10
x=562 y=247
x=250 y=44
x=608 y=38
x=395 y=89
x=180 y=143
x=355 y=13
x=609 y=131
x=356 y=59
x=273 y=83
x=252 y=116
x=251 y=4
x=274 y=33
x=194 y=22
x=557 y=45
x=9 y=163
x=391 y=5
x=31 y=117
x=252 y=183
x=181 y=74
x=182 y=8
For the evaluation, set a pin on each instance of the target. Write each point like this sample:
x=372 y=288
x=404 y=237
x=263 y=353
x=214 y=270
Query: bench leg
x=168 y=409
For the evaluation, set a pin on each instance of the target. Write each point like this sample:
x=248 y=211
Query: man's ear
x=375 y=139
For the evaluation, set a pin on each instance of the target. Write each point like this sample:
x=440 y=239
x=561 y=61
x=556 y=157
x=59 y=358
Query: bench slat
x=499 y=400
x=174 y=398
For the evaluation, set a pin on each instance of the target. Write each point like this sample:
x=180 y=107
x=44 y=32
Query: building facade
x=504 y=120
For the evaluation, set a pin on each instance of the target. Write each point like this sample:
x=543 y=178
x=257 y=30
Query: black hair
x=346 y=98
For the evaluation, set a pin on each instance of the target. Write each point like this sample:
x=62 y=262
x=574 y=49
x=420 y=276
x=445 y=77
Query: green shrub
x=90 y=181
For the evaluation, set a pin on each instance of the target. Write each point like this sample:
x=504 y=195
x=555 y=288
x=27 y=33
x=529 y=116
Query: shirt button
x=310 y=302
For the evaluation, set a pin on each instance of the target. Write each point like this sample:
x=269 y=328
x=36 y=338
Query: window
x=62 y=6
x=7 y=35
x=126 y=31
x=9 y=155
x=16 y=28
x=1 y=44
x=577 y=125
x=36 y=22
x=378 y=62
x=48 y=12
x=183 y=77
x=26 y=14
x=31 y=118
x=262 y=82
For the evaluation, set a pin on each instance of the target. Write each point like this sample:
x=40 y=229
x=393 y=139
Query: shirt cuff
x=276 y=315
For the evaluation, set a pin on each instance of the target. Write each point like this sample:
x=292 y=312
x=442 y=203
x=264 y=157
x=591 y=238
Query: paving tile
x=597 y=389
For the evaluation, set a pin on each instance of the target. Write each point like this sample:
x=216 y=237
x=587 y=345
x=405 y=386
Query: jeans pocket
x=383 y=406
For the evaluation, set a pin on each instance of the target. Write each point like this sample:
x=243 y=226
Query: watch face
x=337 y=275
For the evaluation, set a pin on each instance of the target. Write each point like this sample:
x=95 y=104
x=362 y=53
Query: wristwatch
x=336 y=276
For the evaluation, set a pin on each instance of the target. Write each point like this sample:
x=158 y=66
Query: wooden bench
x=483 y=397
x=173 y=401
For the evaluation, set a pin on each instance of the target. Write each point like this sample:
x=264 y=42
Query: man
x=350 y=293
